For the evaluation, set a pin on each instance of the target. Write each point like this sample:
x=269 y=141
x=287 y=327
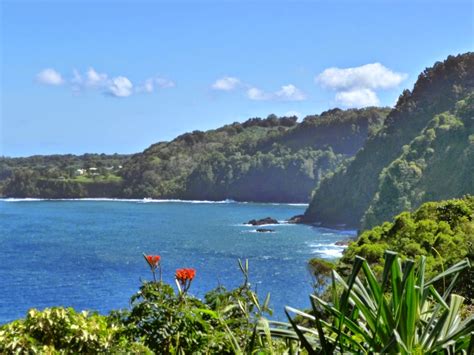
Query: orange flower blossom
x=154 y=263
x=184 y=277
x=153 y=260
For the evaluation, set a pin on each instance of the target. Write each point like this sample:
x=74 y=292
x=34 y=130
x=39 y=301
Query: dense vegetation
x=62 y=176
x=425 y=151
x=402 y=313
x=360 y=318
x=272 y=159
x=441 y=232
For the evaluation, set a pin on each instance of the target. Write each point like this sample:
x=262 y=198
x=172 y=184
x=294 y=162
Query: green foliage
x=62 y=176
x=160 y=321
x=423 y=152
x=401 y=314
x=176 y=323
x=412 y=319
x=442 y=232
x=274 y=159
x=169 y=323
x=437 y=164
x=59 y=330
x=320 y=271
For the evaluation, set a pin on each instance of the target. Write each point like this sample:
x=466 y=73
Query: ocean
x=87 y=253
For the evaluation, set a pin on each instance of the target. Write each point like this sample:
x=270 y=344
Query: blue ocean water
x=88 y=253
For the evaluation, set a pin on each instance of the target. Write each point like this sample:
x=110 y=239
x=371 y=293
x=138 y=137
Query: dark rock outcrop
x=265 y=230
x=296 y=219
x=263 y=221
x=343 y=243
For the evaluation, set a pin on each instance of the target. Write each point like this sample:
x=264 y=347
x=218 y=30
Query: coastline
x=148 y=200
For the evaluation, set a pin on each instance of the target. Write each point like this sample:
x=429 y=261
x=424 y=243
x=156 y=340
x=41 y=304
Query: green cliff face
x=441 y=231
x=423 y=152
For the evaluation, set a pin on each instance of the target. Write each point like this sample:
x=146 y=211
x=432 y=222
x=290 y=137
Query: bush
x=365 y=318
x=442 y=231
x=63 y=329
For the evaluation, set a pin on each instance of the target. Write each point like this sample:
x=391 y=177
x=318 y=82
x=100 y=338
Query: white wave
x=150 y=200
x=266 y=225
x=328 y=250
x=255 y=231
x=288 y=204
x=336 y=231
x=100 y=199
x=145 y=200
x=28 y=199
x=321 y=245
x=331 y=253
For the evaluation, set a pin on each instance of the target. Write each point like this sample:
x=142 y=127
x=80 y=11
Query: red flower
x=153 y=260
x=154 y=263
x=184 y=277
x=185 y=274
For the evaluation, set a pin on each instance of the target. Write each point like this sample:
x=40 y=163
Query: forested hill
x=425 y=151
x=273 y=159
x=62 y=176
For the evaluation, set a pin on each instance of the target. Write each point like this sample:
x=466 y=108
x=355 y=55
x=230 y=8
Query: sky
x=117 y=76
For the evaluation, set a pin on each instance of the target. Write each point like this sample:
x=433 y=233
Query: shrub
x=63 y=329
x=365 y=318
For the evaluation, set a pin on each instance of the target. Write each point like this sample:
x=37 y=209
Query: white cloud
x=96 y=79
x=49 y=76
x=226 y=83
x=120 y=87
x=257 y=94
x=356 y=87
x=290 y=93
x=149 y=85
x=357 y=98
x=286 y=93
x=369 y=76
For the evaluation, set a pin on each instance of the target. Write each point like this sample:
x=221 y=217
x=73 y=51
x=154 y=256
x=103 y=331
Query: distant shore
x=144 y=200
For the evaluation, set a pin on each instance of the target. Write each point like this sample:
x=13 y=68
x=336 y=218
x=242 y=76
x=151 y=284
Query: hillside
x=441 y=231
x=273 y=159
x=423 y=152
x=62 y=176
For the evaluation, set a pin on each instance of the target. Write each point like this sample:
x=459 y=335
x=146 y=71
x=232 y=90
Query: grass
x=93 y=179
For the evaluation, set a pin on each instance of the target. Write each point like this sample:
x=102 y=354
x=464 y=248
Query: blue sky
x=117 y=76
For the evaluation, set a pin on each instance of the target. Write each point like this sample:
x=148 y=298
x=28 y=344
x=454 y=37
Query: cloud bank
x=117 y=86
x=286 y=93
x=226 y=83
x=49 y=76
x=356 y=87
